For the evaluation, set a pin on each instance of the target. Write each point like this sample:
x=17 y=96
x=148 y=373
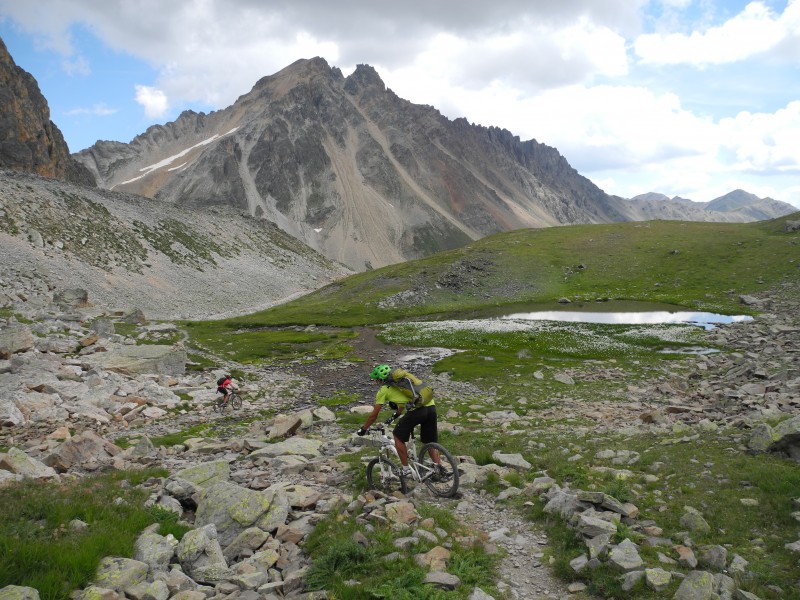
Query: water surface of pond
x=646 y=317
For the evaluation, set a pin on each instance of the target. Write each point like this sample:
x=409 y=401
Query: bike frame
x=419 y=471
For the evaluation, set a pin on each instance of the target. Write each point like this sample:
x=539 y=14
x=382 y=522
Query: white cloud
x=755 y=30
x=757 y=152
x=153 y=100
x=763 y=143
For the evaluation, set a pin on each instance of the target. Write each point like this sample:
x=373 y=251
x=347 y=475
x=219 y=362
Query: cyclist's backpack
x=220 y=381
x=411 y=386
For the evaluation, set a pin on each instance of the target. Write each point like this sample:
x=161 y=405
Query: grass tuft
x=40 y=549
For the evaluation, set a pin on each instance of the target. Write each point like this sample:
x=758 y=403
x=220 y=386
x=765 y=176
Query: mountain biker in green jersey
x=413 y=402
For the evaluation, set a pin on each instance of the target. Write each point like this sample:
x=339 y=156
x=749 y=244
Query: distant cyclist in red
x=225 y=387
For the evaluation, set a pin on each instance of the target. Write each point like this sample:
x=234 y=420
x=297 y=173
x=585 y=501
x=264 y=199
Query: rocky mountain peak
x=734 y=200
x=29 y=140
x=365 y=76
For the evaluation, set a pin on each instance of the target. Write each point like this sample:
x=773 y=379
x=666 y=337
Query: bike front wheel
x=383 y=475
x=442 y=478
x=235 y=401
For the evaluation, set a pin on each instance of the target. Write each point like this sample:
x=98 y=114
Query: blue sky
x=690 y=98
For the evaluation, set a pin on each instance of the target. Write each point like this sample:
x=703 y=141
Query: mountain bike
x=384 y=471
x=234 y=401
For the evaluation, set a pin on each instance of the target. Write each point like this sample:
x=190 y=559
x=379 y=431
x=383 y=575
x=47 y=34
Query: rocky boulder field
x=75 y=387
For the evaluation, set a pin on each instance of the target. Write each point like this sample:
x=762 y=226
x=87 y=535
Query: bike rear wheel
x=235 y=401
x=441 y=479
x=383 y=475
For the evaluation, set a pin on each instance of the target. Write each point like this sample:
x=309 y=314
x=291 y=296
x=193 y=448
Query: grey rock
x=17 y=461
x=625 y=556
x=591 y=526
x=698 y=585
x=479 y=594
x=71 y=298
x=120 y=573
x=15 y=338
x=18 y=592
x=443 y=580
x=233 y=509
x=154 y=550
x=512 y=460
x=203 y=475
x=81 y=450
x=713 y=556
x=147 y=358
x=694 y=521
x=657 y=579
x=198 y=550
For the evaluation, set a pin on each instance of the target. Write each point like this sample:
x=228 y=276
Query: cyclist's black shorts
x=425 y=416
x=221 y=390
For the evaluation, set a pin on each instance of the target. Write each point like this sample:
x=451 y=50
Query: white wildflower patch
x=667 y=333
x=579 y=339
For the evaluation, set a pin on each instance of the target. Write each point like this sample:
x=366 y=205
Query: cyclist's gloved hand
x=361 y=432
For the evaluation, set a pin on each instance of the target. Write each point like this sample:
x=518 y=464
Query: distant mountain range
x=741 y=206
x=343 y=165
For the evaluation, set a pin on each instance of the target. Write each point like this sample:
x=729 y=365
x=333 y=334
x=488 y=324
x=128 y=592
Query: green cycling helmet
x=381 y=372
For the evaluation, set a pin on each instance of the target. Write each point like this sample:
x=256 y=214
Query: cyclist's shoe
x=406 y=472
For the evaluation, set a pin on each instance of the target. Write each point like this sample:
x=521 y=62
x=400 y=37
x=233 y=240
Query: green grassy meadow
x=698 y=265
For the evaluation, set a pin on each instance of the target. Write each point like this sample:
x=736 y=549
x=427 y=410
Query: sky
x=689 y=98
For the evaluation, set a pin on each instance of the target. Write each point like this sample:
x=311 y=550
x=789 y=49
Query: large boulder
x=297 y=446
x=140 y=360
x=10 y=415
x=203 y=475
x=18 y=592
x=155 y=550
x=15 y=338
x=698 y=585
x=87 y=450
x=199 y=550
x=515 y=461
x=40 y=407
x=787 y=438
x=119 y=573
x=71 y=298
x=233 y=509
x=16 y=461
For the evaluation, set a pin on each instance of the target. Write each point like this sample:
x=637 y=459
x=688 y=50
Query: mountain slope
x=130 y=252
x=359 y=174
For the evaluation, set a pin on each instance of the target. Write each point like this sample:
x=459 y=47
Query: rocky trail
x=55 y=402
x=525 y=574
